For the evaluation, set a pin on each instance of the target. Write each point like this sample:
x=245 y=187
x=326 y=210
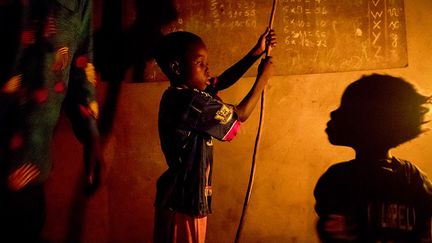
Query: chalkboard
x=314 y=36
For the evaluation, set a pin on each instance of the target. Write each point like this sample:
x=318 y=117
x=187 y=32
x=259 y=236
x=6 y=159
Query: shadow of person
x=376 y=196
x=377 y=111
x=118 y=49
x=145 y=33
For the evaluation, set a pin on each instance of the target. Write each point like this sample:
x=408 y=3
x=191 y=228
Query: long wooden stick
x=272 y=16
x=257 y=139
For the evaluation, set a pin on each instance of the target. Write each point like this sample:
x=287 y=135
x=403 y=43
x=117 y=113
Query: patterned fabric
x=380 y=201
x=188 y=120
x=50 y=67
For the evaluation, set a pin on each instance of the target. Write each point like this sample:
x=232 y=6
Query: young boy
x=375 y=197
x=190 y=115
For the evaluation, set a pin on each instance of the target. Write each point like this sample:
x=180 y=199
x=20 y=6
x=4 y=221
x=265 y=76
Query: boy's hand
x=265 y=69
x=337 y=227
x=268 y=38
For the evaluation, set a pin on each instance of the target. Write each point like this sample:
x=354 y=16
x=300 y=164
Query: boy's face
x=195 y=70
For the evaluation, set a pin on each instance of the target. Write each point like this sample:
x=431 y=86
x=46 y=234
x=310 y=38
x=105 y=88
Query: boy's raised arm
x=236 y=71
x=246 y=106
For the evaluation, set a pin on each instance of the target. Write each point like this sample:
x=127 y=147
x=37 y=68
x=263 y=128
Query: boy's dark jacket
x=188 y=119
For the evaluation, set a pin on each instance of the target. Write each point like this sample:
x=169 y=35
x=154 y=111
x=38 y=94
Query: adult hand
x=95 y=168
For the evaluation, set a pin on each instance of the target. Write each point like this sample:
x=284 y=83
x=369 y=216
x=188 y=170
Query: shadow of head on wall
x=378 y=111
x=120 y=45
x=128 y=35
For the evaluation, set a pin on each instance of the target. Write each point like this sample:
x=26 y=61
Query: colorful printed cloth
x=51 y=68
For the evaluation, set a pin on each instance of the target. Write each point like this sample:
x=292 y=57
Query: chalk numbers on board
x=305 y=23
x=233 y=14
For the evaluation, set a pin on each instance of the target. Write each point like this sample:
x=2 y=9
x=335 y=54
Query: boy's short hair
x=173 y=47
x=392 y=107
